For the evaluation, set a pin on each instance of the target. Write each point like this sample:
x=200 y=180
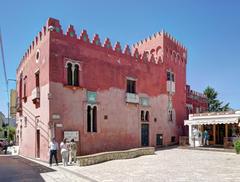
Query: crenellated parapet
x=54 y=26
x=172 y=39
x=37 y=40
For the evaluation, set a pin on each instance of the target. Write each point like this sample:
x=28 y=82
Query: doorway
x=145 y=135
x=38 y=144
x=220 y=134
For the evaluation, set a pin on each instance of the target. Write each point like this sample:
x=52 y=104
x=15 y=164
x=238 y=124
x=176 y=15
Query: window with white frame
x=144 y=116
x=170 y=76
x=170 y=115
x=131 y=86
x=91 y=118
x=72 y=74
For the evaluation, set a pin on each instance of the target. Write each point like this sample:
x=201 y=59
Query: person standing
x=206 y=137
x=64 y=151
x=73 y=151
x=53 y=147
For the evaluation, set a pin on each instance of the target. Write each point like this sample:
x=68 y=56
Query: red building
x=196 y=102
x=106 y=97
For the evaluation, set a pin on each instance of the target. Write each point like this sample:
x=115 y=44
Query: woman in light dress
x=64 y=151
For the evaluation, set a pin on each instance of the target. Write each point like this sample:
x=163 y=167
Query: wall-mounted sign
x=144 y=101
x=69 y=135
x=56 y=116
x=91 y=97
x=59 y=125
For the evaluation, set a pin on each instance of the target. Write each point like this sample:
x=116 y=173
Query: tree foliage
x=214 y=105
x=11 y=133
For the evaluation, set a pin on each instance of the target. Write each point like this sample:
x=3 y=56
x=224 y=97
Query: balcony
x=171 y=87
x=132 y=98
x=35 y=94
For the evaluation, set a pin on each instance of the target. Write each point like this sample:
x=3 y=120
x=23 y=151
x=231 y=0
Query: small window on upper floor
x=37 y=56
x=76 y=75
x=37 y=78
x=170 y=115
x=69 y=74
x=170 y=76
x=142 y=115
x=72 y=74
x=25 y=89
x=131 y=86
x=147 y=116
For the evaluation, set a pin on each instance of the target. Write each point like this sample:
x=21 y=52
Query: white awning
x=211 y=121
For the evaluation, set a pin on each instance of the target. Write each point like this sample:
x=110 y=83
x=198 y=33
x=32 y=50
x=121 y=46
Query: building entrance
x=220 y=134
x=38 y=144
x=145 y=135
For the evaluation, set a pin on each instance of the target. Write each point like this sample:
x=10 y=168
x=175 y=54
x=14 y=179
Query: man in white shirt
x=53 y=147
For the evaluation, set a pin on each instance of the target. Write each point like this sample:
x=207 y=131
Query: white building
x=222 y=127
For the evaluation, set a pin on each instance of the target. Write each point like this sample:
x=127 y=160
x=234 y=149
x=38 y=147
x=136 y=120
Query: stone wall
x=114 y=155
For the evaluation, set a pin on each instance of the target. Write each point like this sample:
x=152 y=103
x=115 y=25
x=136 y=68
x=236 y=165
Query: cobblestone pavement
x=173 y=165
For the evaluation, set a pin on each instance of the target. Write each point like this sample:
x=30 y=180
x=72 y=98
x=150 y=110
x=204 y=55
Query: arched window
x=76 y=75
x=170 y=115
x=142 y=115
x=69 y=73
x=94 y=114
x=89 y=119
x=147 y=116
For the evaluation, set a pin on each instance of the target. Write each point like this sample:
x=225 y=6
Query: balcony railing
x=171 y=86
x=36 y=93
x=132 y=98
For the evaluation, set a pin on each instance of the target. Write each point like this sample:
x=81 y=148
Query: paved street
x=169 y=165
x=14 y=168
x=18 y=169
x=180 y=165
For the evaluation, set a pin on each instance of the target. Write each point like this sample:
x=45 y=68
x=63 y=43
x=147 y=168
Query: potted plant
x=237 y=146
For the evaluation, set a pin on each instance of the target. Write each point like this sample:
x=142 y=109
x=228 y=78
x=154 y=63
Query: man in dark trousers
x=53 y=148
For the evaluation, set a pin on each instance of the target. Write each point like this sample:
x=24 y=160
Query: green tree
x=214 y=105
x=11 y=133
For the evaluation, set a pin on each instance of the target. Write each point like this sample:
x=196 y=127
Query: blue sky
x=209 y=29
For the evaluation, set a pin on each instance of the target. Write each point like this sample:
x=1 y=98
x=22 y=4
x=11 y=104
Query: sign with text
x=69 y=135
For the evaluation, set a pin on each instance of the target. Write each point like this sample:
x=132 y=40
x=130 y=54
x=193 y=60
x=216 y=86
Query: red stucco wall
x=104 y=71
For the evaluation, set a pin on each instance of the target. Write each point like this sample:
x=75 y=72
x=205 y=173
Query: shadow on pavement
x=15 y=168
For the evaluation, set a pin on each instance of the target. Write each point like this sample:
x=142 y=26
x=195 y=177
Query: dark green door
x=145 y=135
x=220 y=134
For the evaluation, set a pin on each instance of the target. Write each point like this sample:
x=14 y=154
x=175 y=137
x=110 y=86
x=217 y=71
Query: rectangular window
x=173 y=139
x=131 y=86
x=37 y=74
x=20 y=87
x=170 y=76
x=25 y=88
